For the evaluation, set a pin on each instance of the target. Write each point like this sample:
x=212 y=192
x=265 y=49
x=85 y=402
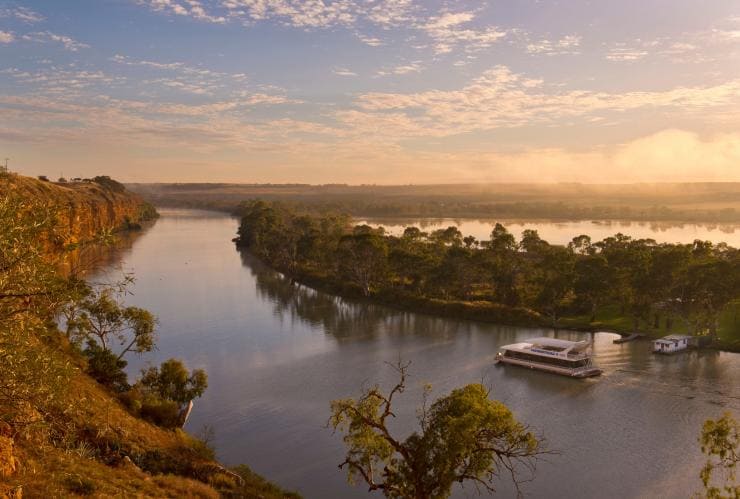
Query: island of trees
x=619 y=283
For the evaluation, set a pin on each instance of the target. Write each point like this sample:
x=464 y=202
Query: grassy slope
x=93 y=446
x=89 y=457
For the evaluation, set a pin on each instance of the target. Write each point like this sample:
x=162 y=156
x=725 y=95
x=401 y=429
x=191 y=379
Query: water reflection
x=277 y=354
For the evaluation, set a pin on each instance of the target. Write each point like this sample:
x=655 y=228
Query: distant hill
x=678 y=202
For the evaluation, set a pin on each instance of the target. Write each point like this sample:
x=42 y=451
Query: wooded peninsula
x=617 y=284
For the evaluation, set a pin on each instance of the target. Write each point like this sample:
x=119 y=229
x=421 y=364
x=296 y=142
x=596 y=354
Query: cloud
x=23 y=14
x=187 y=8
x=369 y=40
x=6 y=37
x=412 y=67
x=49 y=37
x=500 y=98
x=622 y=53
x=678 y=155
x=303 y=13
x=447 y=32
x=567 y=45
x=185 y=78
x=343 y=72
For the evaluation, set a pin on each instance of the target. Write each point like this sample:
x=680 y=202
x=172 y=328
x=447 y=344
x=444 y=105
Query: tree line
x=650 y=285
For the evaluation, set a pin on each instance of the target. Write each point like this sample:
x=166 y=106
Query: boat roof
x=675 y=337
x=555 y=342
x=550 y=342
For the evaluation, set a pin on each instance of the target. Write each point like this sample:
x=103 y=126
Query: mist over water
x=277 y=354
x=563 y=232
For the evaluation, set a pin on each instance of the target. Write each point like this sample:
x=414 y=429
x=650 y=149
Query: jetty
x=631 y=337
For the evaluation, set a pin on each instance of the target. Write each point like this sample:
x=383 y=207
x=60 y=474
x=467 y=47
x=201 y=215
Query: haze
x=372 y=91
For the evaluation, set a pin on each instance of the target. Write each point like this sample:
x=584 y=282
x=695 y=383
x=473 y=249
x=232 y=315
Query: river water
x=277 y=354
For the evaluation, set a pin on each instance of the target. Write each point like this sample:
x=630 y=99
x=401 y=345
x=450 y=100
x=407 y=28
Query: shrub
x=164 y=413
x=172 y=381
x=79 y=485
x=109 y=183
x=105 y=367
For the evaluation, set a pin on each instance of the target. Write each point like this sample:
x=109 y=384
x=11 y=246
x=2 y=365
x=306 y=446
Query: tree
x=532 y=242
x=172 y=381
x=102 y=318
x=31 y=294
x=581 y=245
x=591 y=282
x=363 y=260
x=720 y=442
x=464 y=437
x=503 y=263
x=501 y=239
x=554 y=280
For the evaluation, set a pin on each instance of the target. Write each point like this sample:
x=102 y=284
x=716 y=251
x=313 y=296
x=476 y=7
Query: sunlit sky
x=372 y=91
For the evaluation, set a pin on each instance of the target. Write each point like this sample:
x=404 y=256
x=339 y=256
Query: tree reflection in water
x=345 y=318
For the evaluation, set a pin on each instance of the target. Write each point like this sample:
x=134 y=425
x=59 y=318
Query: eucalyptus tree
x=363 y=260
x=463 y=437
x=720 y=442
x=100 y=317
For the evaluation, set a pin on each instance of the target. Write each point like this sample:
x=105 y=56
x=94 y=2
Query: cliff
x=85 y=210
x=63 y=434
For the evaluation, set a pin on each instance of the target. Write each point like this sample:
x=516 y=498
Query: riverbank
x=62 y=433
x=618 y=284
x=607 y=319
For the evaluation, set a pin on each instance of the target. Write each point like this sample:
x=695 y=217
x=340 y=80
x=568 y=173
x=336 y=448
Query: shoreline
x=487 y=312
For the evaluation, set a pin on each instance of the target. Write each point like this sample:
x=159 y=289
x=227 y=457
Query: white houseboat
x=569 y=358
x=672 y=343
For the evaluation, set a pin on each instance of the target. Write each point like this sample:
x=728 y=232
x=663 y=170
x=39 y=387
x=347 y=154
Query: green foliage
x=720 y=441
x=464 y=437
x=105 y=368
x=161 y=393
x=643 y=280
x=31 y=294
x=109 y=183
x=253 y=485
x=100 y=317
x=172 y=381
x=164 y=413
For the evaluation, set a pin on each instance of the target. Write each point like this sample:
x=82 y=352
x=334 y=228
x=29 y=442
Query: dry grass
x=95 y=448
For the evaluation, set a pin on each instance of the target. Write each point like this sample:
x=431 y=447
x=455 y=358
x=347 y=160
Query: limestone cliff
x=85 y=210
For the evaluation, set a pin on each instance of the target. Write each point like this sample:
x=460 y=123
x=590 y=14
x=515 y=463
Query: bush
x=79 y=485
x=172 y=381
x=109 y=183
x=164 y=413
x=105 y=367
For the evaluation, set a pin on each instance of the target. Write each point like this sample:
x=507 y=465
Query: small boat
x=568 y=358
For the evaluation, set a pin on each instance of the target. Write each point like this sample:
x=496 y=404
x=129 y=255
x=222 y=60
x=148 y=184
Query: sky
x=372 y=91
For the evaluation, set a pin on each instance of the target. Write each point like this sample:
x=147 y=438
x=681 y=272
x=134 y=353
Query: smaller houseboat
x=672 y=343
x=569 y=358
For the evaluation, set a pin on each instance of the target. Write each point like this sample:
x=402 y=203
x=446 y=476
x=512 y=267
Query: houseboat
x=672 y=343
x=568 y=358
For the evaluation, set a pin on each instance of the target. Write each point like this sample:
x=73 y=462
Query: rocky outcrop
x=85 y=210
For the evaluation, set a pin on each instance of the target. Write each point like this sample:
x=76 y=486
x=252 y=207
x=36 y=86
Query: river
x=277 y=354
